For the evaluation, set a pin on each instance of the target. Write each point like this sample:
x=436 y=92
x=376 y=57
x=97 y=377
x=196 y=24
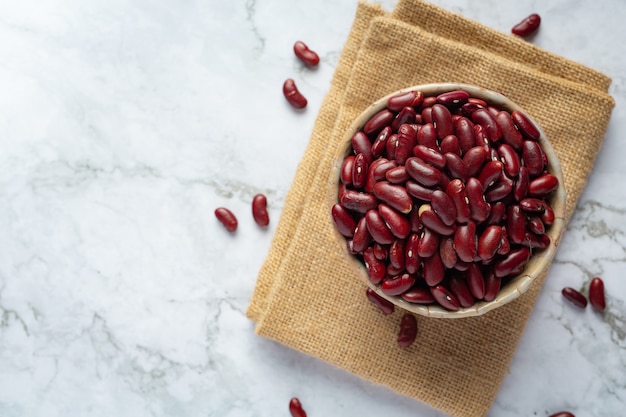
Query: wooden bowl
x=539 y=261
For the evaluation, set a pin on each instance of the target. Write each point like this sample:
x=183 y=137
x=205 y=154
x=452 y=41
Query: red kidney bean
x=417 y=295
x=408 y=330
x=433 y=269
x=346 y=170
x=465 y=242
x=405 y=116
x=447 y=252
x=412 y=259
x=343 y=220
x=547 y=217
x=227 y=218
x=381 y=168
x=350 y=247
x=475 y=281
x=533 y=158
x=456 y=166
x=512 y=262
x=562 y=414
x=543 y=185
x=515 y=224
x=359 y=170
x=362 y=144
x=427 y=244
x=454 y=98
x=442 y=120
x=306 y=55
x=259 y=210
x=575 y=297
x=525 y=125
x=465 y=133
x=458 y=287
x=293 y=95
x=372 y=172
x=494 y=155
x=510 y=158
x=295 y=408
x=456 y=192
x=445 y=298
x=397 y=285
x=445 y=179
x=407 y=139
x=394 y=195
x=377 y=228
x=362 y=237
x=431 y=221
x=497 y=213
x=414 y=219
x=358 y=201
x=596 y=294
x=536 y=226
x=376 y=268
x=489 y=242
x=427 y=114
x=402 y=100
x=492 y=285
x=490 y=173
x=505 y=246
x=429 y=101
x=397 y=254
x=380 y=251
x=520 y=188
x=510 y=135
x=422 y=172
x=461 y=265
x=380 y=143
x=528 y=26
x=450 y=144
x=384 y=305
x=484 y=118
x=418 y=190
x=479 y=208
x=474 y=159
x=430 y=156
x=427 y=135
x=493 y=111
x=443 y=206
x=377 y=122
x=500 y=190
x=535 y=241
x=392 y=271
x=481 y=137
x=397 y=175
x=533 y=205
x=395 y=221
x=391 y=146
x=470 y=107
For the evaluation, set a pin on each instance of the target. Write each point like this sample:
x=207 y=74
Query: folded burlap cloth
x=308 y=297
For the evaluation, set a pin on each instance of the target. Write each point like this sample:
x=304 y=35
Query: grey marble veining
x=124 y=124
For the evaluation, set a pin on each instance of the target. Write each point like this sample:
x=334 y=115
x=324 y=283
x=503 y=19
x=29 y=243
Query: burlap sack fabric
x=307 y=296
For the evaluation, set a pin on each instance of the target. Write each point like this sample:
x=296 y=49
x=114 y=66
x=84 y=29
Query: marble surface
x=124 y=124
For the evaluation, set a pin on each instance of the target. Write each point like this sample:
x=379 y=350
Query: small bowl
x=515 y=286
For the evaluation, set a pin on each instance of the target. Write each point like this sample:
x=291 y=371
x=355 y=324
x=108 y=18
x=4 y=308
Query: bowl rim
x=539 y=262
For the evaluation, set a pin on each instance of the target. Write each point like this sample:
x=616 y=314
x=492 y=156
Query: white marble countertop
x=124 y=124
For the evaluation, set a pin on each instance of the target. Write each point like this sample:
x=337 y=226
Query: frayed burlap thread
x=307 y=296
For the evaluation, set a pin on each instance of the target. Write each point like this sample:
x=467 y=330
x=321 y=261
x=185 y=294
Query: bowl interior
x=513 y=287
